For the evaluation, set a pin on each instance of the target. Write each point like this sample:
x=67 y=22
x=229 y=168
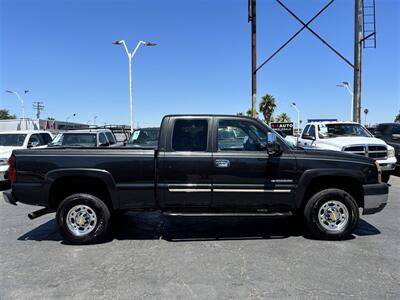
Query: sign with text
x=286 y=127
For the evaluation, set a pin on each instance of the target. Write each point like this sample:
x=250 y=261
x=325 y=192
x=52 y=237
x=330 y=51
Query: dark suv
x=390 y=133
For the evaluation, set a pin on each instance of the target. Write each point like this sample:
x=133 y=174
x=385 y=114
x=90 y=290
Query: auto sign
x=286 y=127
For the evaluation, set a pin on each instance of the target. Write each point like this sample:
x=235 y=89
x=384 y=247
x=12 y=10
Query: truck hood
x=5 y=152
x=342 y=141
x=334 y=156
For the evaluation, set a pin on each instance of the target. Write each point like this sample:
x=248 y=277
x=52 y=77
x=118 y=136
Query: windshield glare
x=75 y=139
x=12 y=139
x=336 y=130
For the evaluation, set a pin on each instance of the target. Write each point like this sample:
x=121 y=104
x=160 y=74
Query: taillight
x=12 y=170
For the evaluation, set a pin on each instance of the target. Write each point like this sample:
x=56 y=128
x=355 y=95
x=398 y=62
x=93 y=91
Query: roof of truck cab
x=209 y=116
x=86 y=131
x=23 y=131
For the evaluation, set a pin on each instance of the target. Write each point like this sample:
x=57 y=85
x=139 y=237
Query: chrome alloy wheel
x=333 y=216
x=81 y=220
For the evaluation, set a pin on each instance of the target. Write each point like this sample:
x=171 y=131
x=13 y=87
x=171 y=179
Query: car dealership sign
x=286 y=127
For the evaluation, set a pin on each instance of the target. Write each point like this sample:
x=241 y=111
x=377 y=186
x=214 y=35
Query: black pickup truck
x=204 y=165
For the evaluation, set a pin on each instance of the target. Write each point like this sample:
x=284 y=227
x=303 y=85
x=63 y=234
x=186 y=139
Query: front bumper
x=3 y=172
x=375 y=197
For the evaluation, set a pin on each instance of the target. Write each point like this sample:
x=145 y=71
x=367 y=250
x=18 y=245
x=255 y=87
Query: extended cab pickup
x=210 y=165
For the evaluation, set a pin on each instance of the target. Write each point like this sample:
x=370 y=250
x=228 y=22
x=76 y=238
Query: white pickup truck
x=349 y=137
x=11 y=140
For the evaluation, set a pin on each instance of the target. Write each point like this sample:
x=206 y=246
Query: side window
x=311 y=131
x=102 y=138
x=190 y=135
x=239 y=135
x=396 y=133
x=46 y=138
x=305 y=130
x=110 y=137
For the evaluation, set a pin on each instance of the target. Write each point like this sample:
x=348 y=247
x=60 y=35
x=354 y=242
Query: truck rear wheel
x=83 y=219
x=331 y=214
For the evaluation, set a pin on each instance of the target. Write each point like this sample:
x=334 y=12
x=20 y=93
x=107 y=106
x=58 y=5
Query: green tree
x=397 y=119
x=50 y=119
x=5 y=115
x=247 y=113
x=282 y=118
x=267 y=107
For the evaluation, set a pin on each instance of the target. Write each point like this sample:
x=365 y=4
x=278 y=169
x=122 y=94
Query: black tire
x=385 y=177
x=101 y=212
x=316 y=203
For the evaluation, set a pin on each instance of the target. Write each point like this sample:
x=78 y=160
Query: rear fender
x=102 y=175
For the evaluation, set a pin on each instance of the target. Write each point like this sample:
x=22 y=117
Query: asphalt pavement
x=158 y=257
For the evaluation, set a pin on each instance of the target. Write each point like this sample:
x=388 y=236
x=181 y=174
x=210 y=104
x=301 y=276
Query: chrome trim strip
x=250 y=191
x=189 y=190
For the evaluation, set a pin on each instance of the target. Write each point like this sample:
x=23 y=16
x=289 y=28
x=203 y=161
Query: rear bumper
x=375 y=197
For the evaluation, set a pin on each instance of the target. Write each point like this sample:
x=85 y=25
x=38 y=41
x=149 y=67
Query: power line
x=39 y=107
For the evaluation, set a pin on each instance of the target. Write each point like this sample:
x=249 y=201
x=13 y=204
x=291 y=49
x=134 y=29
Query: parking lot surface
x=153 y=256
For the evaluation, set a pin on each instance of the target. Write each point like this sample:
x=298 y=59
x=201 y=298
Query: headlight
x=390 y=152
x=379 y=169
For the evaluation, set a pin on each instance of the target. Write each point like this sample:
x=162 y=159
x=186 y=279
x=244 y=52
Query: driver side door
x=244 y=174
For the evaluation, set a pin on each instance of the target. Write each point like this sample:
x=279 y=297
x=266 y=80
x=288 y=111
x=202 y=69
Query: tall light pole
x=346 y=85
x=130 y=57
x=298 y=115
x=20 y=100
x=94 y=120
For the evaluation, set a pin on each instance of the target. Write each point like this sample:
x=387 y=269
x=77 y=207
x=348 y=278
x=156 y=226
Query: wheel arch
x=313 y=181
x=63 y=182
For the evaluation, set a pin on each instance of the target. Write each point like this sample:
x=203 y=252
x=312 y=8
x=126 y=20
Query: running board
x=272 y=214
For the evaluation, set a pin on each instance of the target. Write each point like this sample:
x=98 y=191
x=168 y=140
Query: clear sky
x=61 y=51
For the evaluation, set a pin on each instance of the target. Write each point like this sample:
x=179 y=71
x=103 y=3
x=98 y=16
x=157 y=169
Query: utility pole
x=38 y=106
x=252 y=18
x=358 y=36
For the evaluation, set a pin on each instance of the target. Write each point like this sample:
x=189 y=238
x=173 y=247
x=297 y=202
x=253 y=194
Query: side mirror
x=272 y=143
x=33 y=144
x=395 y=136
x=308 y=137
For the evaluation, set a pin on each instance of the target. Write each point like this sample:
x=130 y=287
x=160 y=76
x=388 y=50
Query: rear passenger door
x=185 y=163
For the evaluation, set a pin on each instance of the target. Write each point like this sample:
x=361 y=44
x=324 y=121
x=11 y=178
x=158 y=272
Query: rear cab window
x=190 y=135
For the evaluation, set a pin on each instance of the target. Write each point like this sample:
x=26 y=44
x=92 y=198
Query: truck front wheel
x=83 y=219
x=331 y=214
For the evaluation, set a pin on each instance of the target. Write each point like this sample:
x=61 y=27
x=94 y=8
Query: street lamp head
x=345 y=83
x=293 y=103
x=8 y=91
x=150 y=44
x=118 y=42
x=340 y=85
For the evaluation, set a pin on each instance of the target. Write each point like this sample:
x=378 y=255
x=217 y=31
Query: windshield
x=144 y=137
x=10 y=139
x=74 y=140
x=336 y=130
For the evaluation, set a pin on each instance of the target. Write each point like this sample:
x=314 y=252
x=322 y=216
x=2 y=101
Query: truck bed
x=124 y=169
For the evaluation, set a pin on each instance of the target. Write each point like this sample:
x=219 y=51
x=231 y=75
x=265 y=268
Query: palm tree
x=247 y=113
x=267 y=107
x=282 y=118
x=397 y=119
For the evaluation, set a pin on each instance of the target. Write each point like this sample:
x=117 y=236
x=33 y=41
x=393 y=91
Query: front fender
x=309 y=175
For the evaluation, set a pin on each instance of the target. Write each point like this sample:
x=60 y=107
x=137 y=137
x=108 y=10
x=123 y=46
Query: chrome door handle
x=222 y=163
